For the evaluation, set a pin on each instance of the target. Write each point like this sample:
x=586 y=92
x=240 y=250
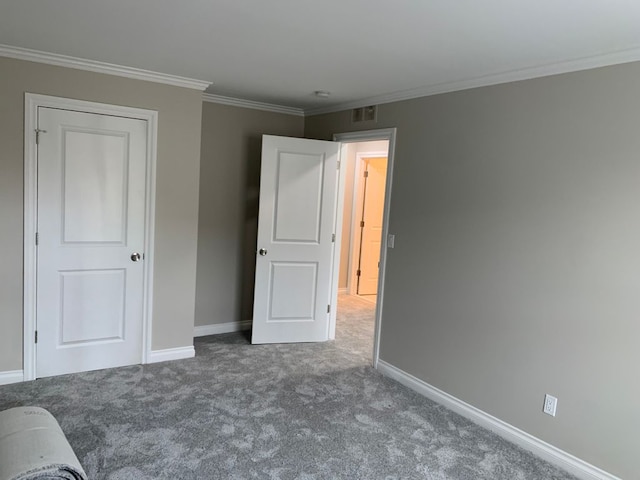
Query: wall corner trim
x=241 y=103
x=100 y=67
x=168 y=354
x=218 y=328
x=540 y=448
x=11 y=376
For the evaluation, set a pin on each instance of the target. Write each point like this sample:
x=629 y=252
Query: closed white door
x=371 y=226
x=295 y=229
x=91 y=209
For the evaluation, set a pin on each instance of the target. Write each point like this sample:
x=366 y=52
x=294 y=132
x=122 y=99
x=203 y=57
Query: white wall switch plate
x=391 y=241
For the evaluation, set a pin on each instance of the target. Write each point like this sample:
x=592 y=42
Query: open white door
x=298 y=191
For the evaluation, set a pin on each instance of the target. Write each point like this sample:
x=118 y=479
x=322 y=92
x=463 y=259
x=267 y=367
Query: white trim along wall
x=169 y=354
x=540 y=448
x=241 y=103
x=11 y=376
x=218 y=328
x=39 y=56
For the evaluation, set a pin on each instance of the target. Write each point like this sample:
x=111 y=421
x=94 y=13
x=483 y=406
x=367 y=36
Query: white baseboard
x=217 y=328
x=542 y=449
x=172 y=354
x=11 y=376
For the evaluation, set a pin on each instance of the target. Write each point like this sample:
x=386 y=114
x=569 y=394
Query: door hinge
x=333 y=238
x=358 y=273
x=362 y=224
x=36 y=339
x=37 y=238
x=328 y=308
x=366 y=173
x=38 y=132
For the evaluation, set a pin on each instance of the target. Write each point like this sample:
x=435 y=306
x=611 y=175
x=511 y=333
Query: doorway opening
x=300 y=233
x=366 y=161
x=365 y=215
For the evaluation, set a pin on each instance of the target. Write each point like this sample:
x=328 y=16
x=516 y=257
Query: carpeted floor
x=301 y=411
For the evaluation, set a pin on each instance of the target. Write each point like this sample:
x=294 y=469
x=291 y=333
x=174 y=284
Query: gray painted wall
x=179 y=127
x=516 y=271
x=229 y=184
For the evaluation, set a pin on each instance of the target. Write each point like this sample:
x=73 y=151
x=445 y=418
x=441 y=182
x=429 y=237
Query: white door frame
x=31 y=105
x=365 y=136
x=352 y=266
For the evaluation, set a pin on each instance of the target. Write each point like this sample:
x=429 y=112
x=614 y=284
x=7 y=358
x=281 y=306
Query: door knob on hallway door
x=262 y=251
x=135 y=256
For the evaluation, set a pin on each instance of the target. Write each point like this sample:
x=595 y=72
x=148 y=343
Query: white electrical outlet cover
x=550 y=405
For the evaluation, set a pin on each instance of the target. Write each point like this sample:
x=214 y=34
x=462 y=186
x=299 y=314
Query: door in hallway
x=375 y=177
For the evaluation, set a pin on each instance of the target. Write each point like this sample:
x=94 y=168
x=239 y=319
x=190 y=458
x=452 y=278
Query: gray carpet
x=237 y=411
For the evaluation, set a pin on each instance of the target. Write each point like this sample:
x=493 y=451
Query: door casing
x=353 y=137
x=32 y=103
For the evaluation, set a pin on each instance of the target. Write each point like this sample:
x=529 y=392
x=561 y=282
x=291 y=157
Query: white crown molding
x=171 y=354
x=586 y=63
x=544 y=450
x=238 y=102
x=218 y=328
x=100 y=67
x=11 y=376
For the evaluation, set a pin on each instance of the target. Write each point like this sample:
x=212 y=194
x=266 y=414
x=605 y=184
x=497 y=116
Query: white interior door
x=371 y=226
x=91 y=208
x=298 y=188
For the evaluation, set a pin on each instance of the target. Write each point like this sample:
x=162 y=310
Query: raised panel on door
x=295 y=226
x=292 y=297
x=92 y=306
x=91 y=196
x=298 y=198
x=95 y=167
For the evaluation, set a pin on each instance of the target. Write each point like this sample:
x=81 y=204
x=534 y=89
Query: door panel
x=95 y=167
x=295 y=226
x=293 y=292
x=92 y=305
x=91 y=194
x=298 y=198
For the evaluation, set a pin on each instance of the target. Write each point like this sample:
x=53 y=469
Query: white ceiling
x=362 y=51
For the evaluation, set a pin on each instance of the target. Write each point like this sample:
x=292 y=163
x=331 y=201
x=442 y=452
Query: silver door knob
x=262 y=251
x=135 y=256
